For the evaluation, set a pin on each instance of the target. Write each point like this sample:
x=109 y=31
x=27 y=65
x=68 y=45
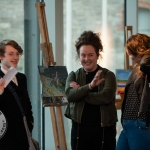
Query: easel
x=118 y=102
x=127 y=63
x=48 y=59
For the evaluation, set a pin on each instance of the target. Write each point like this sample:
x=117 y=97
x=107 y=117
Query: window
x=11 y=24
x=143 y=15
x=104 y=17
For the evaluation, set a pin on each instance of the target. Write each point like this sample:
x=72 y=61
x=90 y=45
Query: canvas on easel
x=54 y=98
x=122 y=76
x=53 y=80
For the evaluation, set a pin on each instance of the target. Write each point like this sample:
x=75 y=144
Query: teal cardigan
x=105 y=97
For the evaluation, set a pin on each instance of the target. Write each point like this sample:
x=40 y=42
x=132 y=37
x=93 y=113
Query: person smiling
x=135 y=116
x=15 y=137
x=90 y=92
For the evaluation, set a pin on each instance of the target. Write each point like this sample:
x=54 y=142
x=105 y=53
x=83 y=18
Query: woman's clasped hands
x=95 y=82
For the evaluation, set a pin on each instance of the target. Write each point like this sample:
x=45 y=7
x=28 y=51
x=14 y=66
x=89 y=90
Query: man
x=15 y=137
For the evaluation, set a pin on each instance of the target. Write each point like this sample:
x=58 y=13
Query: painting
x=122 y=76
x=53 y=81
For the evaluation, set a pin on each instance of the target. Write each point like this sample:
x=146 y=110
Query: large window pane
x=12 y=24
x=103 y=16
x=143 y=16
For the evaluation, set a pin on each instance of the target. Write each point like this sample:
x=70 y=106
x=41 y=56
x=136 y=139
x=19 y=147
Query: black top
x=132 y=105
x=15 y=137
x=91 y=113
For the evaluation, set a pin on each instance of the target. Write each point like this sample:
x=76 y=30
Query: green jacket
x=105 y=97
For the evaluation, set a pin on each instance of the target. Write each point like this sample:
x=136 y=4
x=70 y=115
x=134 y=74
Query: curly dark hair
x=89 y=38
x=12 y=43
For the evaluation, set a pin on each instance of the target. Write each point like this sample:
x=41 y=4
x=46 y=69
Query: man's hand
x=2 y=82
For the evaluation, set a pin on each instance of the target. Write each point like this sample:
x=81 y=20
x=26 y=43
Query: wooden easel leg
x=48 y=59
x=127 y=63
x=61 y=127
x=55 y=129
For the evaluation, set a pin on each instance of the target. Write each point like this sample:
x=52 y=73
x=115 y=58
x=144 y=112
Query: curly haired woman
x=91 y=95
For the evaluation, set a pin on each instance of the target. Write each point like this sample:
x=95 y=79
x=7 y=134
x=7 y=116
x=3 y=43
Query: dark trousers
x=93 y=137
